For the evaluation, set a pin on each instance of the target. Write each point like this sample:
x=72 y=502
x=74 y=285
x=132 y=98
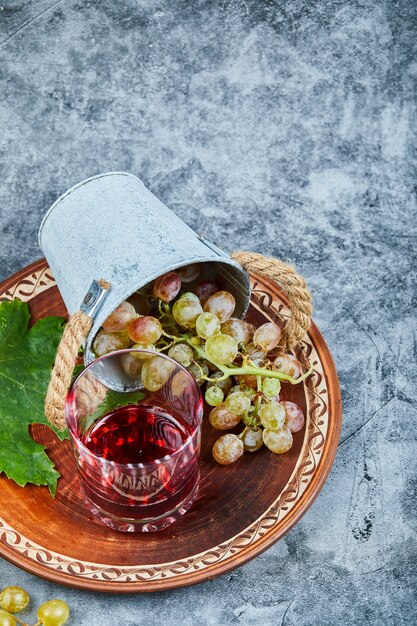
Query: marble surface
x=283 y=127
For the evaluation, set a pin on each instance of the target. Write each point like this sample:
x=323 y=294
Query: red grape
x=166 y=287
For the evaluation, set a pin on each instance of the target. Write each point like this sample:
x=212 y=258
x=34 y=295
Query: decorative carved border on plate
x=30 y=286
x=313 y=445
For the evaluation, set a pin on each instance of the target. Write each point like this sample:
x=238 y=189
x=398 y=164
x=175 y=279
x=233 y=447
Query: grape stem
x=246 y=370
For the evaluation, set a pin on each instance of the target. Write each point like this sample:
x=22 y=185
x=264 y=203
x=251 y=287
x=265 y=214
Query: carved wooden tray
x=241 y=510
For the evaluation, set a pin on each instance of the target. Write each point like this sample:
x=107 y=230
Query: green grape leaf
x=26 y=359
x=113 y=400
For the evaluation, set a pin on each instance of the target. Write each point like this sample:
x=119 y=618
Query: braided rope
x=77 y=328
x=294 y=286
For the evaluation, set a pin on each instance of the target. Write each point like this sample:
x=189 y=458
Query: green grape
x=252 y=439
x=6 y=619
x=166 y=287
x=149 y=347
x=267 y=336
x=213 y=396
x=271 y=387
x=221 y=418
x=227 y=449
x=288 y=364
x=272 y=416
x=238 y=403
x=198 y=371
x=238 y=329
x=156 y=372
x=278 y=441
x=53 y=613
x=14 y=599
x=105 y=342
x=221 y=304
x=221 y=348
x=186 y=310
x=131 y=365
x=146 y=329
x=121 y=317
x=207 y=325
x=181 y=353
x=225 y=384
x=251 y=393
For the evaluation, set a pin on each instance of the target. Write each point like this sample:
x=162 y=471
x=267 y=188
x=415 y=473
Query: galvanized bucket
x=112 y=227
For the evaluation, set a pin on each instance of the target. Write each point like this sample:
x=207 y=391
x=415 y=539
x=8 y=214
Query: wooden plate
x=241 y=510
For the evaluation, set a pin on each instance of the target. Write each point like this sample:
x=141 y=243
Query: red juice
x=147 y=463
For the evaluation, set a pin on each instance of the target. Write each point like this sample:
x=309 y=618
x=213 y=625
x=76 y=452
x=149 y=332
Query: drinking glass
x=134 y=419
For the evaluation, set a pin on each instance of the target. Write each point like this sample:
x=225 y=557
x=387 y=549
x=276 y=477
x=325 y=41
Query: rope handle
x=294 y=286
x=79 y=325
x=75 y=332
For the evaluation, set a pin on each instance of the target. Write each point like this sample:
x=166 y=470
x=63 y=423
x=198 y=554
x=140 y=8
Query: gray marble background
x=283 y=127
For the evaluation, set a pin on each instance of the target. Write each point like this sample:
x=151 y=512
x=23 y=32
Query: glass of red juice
x=134 y=419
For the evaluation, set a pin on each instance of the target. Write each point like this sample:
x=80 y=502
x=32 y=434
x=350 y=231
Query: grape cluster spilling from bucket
x=187 y=315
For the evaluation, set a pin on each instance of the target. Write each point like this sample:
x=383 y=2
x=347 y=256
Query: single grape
x=294 y=417
x=198 y=371
x=221 y=304
x=271 y=387
x=167 y=286
x=120 y=319
x=252 y=439
x=6 y=619
x=272 y=415
x=288 y=364
x=182 y=353
x=227 y=449
x=186 y=310
x=213 y=396
x=221 y=348
x=131 y=365
x=238 y=403
x=205 y=289
x=278 y=441
x=105 y=342
x=207 y=325
x=156 y=372
x=236 y=328
x=53 y=613
x=14 y=599
x=267 y=336
x=142 y=346
x=146 y=329
x=188 y=273
x=225 y=384
x=221 y=418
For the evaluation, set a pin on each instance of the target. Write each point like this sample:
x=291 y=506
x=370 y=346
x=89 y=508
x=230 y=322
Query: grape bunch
x=15 y=599
x=188 y=316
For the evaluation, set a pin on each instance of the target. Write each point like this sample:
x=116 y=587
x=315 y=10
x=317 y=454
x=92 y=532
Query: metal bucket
x=111 y=226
